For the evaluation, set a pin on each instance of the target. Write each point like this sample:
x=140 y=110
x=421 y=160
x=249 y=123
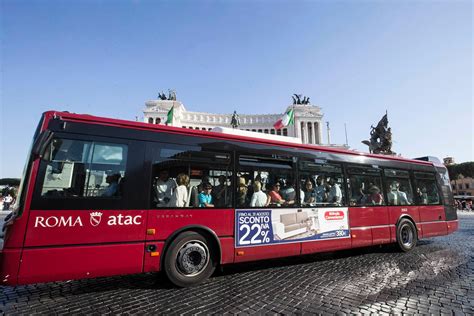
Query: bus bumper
x=452 y=226
x=9 y=266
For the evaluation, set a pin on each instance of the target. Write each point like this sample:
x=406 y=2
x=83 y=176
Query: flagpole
x=294 y=119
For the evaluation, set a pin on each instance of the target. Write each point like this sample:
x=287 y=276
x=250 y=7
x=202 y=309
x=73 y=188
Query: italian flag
x=287 y=119
x=169 y=119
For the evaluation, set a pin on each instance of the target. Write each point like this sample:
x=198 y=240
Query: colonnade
x=310 y=132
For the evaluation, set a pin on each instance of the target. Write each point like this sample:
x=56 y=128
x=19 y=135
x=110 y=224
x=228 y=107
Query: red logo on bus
x=334 y=215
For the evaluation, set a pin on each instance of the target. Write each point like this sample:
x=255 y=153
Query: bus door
x=179 y=176
x=269 y=222
x=369 y=218
x=323 y=198
x=87 y=216
x=432 y=212
x=401 y=198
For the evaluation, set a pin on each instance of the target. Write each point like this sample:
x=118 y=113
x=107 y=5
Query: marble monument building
x=307 y=127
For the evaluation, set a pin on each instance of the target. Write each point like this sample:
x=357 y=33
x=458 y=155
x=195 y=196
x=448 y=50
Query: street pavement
x=437 y=277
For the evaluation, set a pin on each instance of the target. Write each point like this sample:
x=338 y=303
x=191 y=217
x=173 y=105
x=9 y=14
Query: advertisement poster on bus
x=276 y=226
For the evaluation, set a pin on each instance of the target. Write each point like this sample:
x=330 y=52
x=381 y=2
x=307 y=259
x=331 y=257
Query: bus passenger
x=201 y=186
x=335 y=193
x=288 y=193
x=164 y=188
x=395 y=196
x=374 y=197
x=113 y=181
x=205 y=197
x=320 y=190
x=180 y=195
x=259 y=199
x=275 y=197
x=310 y=193
x=220 y=192
x=242 y=193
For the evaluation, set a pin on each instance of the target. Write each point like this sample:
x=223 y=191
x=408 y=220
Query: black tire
x=189 y=260
x=407 y=236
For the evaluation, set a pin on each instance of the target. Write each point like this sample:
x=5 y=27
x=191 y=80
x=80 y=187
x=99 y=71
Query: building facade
x=463 y=186
x=307 y=125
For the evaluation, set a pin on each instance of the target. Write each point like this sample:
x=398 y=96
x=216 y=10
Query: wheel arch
x=203 y=230
x=408 y=217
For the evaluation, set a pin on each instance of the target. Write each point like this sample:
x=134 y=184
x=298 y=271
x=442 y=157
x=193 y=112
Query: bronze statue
x=235 y=120
x=162 y=96
x=171 y=95
x=297 y=99
x=380 y=138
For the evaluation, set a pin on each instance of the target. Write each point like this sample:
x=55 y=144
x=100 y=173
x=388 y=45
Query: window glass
x=398 y=186
x=266 y=181
x=426 y=189
x=185 y=176
x=84 y=169
x=365 y=186
x=322 y=184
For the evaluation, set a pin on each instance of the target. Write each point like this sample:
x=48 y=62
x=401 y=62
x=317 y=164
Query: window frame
x=344 y=187
x=409 y=177
x=263 y=161
x=348 y=174
x=154 y=156
x=132 y=188
x=435 y=179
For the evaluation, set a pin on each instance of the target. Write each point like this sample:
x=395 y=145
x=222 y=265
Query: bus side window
x=365 y=186
x=398 y=187
x=84 y=169
x=426 y=189
x=322 y=184
x=185 y=176
x=265 y=181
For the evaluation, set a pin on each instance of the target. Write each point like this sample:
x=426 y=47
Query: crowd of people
x=7 y=198
x=465 y=205
x=258 y=192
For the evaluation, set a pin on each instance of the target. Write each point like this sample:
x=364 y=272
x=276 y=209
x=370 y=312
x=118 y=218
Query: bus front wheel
x=189 y=260
x=406 y=235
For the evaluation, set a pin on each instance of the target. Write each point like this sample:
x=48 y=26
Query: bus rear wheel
x=406 y=235
x=189 y=260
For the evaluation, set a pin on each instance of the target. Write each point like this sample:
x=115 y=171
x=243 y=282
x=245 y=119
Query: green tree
x=466 y=169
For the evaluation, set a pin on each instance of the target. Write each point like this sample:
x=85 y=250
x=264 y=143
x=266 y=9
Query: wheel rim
x=193 y=258
x=407 y=236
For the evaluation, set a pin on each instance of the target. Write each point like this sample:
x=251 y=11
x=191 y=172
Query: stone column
x=316 y=133
x=302 y=129
x=306 y=133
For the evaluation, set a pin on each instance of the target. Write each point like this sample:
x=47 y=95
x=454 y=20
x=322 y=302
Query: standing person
x=180 y=195
x=164 y=188
x=395 y=196
x=374 y=197
x=7 y=201
x=205 y=197
x=335 y=193
x=310 y=193
x=259 y=198
x=220 y=192
x=320 y=190
x=242 y=190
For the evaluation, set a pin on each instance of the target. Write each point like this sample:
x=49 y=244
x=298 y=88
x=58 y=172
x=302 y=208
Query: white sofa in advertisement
x=291 y=224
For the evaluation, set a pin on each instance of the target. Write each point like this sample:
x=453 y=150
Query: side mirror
x=41 y=143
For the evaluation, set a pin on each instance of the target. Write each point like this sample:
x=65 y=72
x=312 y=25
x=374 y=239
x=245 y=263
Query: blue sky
x=355 y=59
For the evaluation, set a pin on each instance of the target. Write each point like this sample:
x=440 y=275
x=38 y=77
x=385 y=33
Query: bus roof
x=240 y=136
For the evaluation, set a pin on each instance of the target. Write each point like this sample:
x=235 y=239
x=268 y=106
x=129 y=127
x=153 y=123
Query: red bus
x=102 y=197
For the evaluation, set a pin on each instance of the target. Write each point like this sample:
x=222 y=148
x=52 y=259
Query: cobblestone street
x=437 y=277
